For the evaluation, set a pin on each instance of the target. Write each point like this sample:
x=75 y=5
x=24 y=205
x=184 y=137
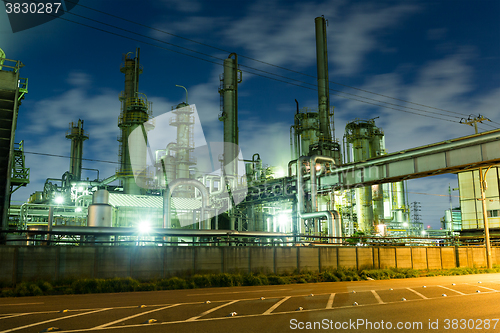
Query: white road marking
x=244 y=316
x=209 y=311
x=20 y=304
x=272 y=308
x=133 y=316
x=51 y=320
x=456 y=291
x=15 y=315
x=329 y=305
x=239 y=292
x=377 y=297
x=487 y=288
x=417 y=293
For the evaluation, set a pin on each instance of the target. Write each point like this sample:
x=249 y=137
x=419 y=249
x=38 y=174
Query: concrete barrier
x=236 y=259
x=434 y=257
x=387 y=257
x=347 y=257
x=403 y=257
x=262 y=260
x=419 y=257
x=308 y=259
x=365 y=257
x=328 y=257
x=29 y=263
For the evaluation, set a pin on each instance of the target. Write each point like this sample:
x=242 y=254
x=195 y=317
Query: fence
x=26 y=263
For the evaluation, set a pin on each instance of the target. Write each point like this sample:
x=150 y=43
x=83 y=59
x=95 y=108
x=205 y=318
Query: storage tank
x=99 y=215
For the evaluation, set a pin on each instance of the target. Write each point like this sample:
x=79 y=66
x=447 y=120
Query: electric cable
x=260 y=61
x=254 y=69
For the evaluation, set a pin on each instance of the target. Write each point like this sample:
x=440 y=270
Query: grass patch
x=115 y=285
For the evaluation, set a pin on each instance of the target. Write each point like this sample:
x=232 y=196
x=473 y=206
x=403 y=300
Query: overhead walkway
x=449 y=156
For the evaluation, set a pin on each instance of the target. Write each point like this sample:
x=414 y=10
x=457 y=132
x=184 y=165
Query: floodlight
x=144 y=227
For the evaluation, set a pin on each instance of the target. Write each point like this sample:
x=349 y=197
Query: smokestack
x=323 y=87
x=77 y=135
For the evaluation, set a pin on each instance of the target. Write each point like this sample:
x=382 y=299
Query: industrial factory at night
x=172 y=187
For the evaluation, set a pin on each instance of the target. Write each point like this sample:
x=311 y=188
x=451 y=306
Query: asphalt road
x=436 y=304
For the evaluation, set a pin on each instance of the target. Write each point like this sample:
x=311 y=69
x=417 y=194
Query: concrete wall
x=25 y=263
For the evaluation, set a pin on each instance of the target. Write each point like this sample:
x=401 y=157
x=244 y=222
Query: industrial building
x=185 y=190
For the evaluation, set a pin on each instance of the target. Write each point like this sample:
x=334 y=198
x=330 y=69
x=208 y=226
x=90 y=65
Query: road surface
x=468 y=303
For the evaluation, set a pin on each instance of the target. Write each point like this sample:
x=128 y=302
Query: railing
x=160 y=236
x=6 y=63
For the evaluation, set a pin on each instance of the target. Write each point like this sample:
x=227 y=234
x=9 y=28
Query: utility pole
x=482 y=181
x=472 y=121
x=451 y=210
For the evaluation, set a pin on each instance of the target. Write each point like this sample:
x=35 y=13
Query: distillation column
x=135 y=110
x=183 y=147
x=229 y=95
x=367 y=141
x=326 y=144
x=77 y=135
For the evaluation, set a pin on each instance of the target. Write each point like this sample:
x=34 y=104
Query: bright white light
x=282 y=219
x=144 y=227
x=405 y=224
x=59 y=199
x=423 y=232
x=279 y=172
x=78 y=209
x=80 y=189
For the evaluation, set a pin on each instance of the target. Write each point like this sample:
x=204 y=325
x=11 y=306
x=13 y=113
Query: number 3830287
x=32 y=8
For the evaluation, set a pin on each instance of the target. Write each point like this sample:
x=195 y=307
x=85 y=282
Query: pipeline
x=205 y=198
x=330 y=215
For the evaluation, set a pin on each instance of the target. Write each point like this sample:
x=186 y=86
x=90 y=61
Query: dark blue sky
x=440 y=53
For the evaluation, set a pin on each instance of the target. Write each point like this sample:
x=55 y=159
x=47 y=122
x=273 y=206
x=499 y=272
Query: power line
x=253 y=69
x=266 y=72
x=63 y=156
x=267 y=63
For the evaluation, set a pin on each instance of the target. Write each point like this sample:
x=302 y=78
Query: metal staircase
x=12 y=90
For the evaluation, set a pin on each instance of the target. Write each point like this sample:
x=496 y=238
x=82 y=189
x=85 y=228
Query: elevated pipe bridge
x=449 y=156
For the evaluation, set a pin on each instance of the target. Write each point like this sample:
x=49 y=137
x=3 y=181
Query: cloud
x=79 y=79
x=358 y=34
x=437 y=34
x=185 y=6
x=270 y=140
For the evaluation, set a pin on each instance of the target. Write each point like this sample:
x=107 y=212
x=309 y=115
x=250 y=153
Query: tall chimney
x=77 y=135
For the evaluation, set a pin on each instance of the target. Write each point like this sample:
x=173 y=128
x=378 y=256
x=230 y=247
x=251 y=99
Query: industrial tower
x=12 y=91
x=135 y=111
x=77 y=135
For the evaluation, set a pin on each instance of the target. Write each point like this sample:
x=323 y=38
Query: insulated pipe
x=300 y=198
x=312 y=167
x=205 y=197
x=292 y=162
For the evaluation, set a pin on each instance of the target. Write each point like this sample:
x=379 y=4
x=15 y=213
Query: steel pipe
x=205 y=198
